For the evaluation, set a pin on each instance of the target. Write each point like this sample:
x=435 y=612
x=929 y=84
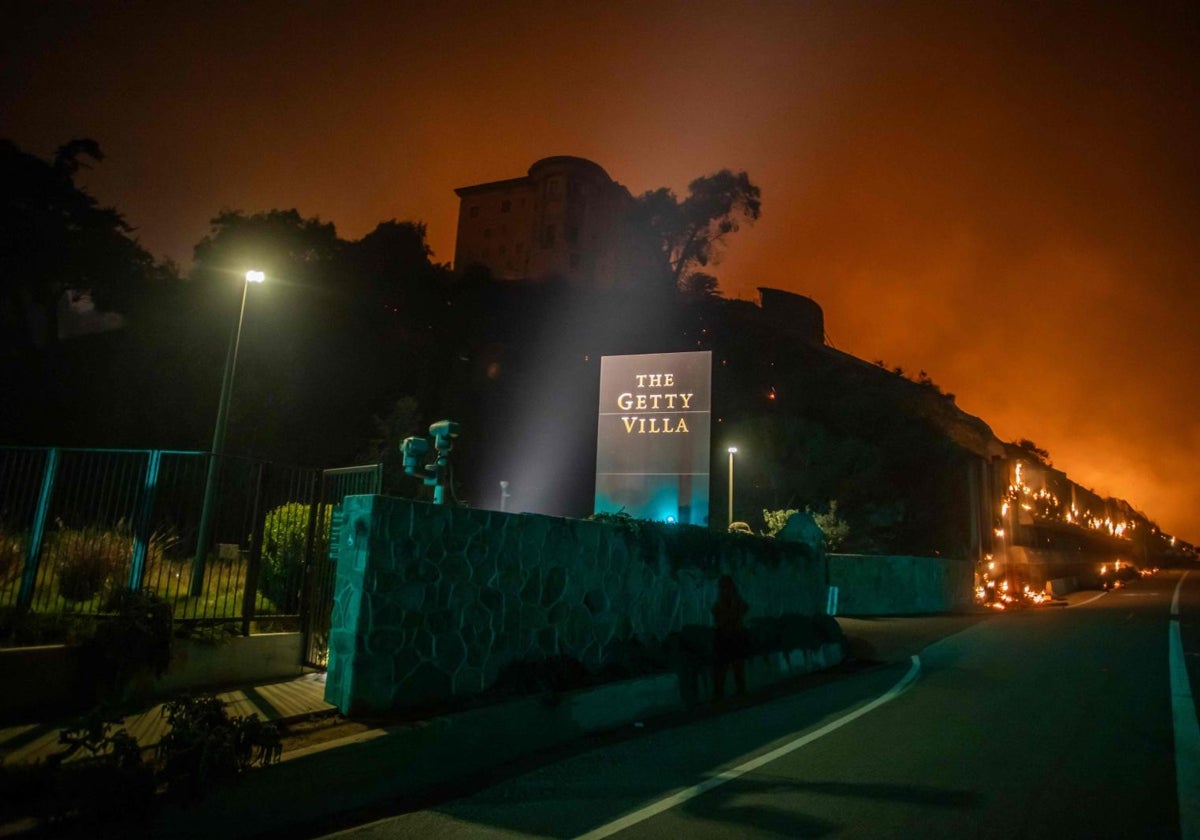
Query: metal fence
x=77 y=524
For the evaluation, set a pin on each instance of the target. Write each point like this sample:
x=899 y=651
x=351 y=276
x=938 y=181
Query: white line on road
x=1187 y=730
x=1088 y=601
x=668 y=802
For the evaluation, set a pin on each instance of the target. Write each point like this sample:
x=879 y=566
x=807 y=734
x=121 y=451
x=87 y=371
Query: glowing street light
x=732 y=450
x=204 y=537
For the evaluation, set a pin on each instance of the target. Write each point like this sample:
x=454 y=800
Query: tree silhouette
x=56 y=240
x=691 y=233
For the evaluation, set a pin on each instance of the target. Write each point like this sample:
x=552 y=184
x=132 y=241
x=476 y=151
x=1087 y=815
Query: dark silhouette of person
x=730 y=641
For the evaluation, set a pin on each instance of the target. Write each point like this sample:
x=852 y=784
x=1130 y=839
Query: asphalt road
x=1054 y=722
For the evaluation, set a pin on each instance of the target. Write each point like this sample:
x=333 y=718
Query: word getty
x=658 y=401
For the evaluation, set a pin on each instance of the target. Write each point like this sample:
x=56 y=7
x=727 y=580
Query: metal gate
x=336 y=485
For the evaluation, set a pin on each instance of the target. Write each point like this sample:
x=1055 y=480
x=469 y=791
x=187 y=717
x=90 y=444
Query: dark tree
x=56 y=241
x=700 y=285
x=691 y=233
x=1034 y=451
x=394 y=274
x=281 y=243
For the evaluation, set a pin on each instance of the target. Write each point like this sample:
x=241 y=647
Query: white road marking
x=1187 y=730
x=668 y=802
x=1088 y=601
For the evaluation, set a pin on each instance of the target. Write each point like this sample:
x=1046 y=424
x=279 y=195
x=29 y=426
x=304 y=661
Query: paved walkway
x=284 y=701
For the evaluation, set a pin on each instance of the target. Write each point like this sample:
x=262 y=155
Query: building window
x=505 y=206
x=520 y=247
x=548 y=237
x=574 y=261
x=503 y=250
x=572 y=234
x=487 y=233
x=474 y=211
x=552 y=187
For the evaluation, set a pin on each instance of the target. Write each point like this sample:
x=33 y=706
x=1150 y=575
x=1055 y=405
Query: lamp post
x=732 y=450
x=204 y=536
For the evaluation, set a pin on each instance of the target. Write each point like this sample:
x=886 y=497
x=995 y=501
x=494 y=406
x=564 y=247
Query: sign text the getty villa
x=662 y=401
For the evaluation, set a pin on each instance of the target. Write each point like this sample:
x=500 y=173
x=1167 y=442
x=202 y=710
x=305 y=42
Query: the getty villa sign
x=652 y=441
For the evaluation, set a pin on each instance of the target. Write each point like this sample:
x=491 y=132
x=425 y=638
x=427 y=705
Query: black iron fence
x=77 y=524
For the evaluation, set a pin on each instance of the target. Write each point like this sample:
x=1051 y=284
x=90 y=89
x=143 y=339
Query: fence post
x=204 y=533
x=254 y=563
x=145 y=518
x=38 y=532
x=309 y=581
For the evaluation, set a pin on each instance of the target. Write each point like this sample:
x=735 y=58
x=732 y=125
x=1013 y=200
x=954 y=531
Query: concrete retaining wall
x=1037 y=566
x=49 y=679
x=869 y=585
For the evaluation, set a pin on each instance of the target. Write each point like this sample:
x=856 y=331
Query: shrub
x=88 y=559
x=12 y=554
x=285 y=539
x=101 y=776
x=205 y=746
x=135 y=640
x=834 y=528
x=109 y=781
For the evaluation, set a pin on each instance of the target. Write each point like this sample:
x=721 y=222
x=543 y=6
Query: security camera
x=444 y=432
x=414 y=450
x=444 y=429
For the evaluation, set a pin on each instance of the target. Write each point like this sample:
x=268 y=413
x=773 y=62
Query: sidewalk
x=285 y=701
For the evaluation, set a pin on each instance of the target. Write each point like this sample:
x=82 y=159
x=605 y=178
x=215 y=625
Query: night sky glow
x=1003 y=195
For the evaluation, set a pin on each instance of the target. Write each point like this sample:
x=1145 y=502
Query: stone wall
x=432 y=601
x=877 y=585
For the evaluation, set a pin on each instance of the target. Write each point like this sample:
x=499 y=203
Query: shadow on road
x=744 y=802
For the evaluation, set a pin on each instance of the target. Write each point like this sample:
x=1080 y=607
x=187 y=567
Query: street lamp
x=204 y=537
x=732 y=450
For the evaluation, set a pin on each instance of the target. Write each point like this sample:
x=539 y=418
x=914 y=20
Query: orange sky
x=1005 y=196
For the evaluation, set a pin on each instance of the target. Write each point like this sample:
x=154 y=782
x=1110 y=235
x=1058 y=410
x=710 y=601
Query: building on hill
x=565 y=218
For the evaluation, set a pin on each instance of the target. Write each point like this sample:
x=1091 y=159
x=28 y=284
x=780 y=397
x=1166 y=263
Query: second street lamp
x=732 y=450
x=204 y=536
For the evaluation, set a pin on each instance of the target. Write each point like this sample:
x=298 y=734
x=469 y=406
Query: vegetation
x=84 y=575
x=13 y=547
x=1035 y=452
x=102 y=778
x=55 y=240
x=205 y=746
x=835 y=529
x=133 y=640
x=690 y=233
x=285 y=543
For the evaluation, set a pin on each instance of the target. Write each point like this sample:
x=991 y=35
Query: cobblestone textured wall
x=432 y=602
